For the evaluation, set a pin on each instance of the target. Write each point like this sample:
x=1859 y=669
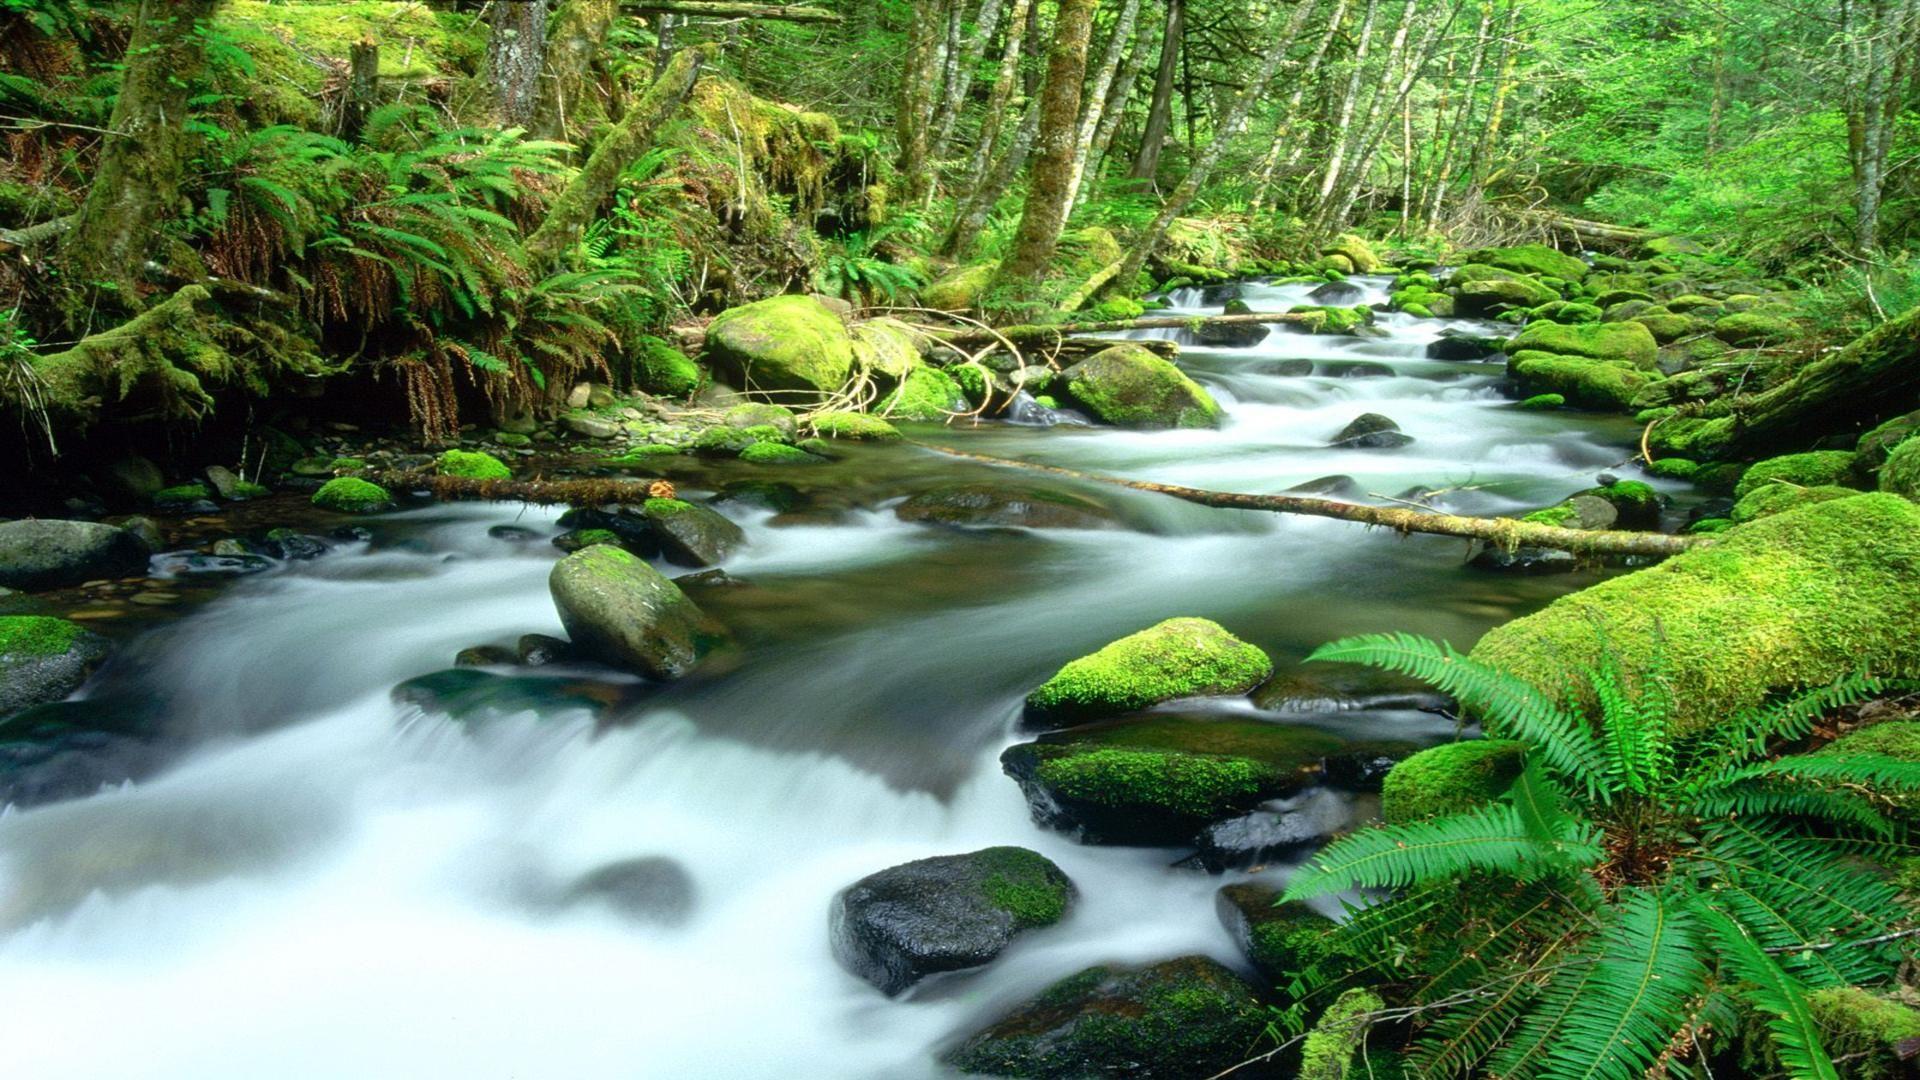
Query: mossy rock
x=1667 y=326
x=1566 y=312
x=926 y=393
x=1359 y=254
x=1538 y=260
x=44 y=659
x=1543 y=402
x=1159 y=780
x=1673 y=468
x=1899 y=739
x=1493 y=295
x=471 y=465
x=621 y=611
x=774 y=453
x=960 y=289
x=1176 y=1020
x=1625 y=343
x=1636 y=504
x=787 y=345
x=1813 y=469
x=1796 y=599
x=690 y=534
x=947 y=913
x=1282 y=941
x=1177 y=658
x=1587 y=383
x=1873 y=1034
x=1450 y=778
x=886 y=348
x=1750 y=328
x=1778 y=498
x=663 y=370
x=1337 y=321
x=1128 y=386
x=1901 y=474
x=351 y=495
x=852 y=425
x=1873 y=449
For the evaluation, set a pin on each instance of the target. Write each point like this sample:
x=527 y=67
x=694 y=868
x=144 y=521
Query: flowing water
x=330 y=883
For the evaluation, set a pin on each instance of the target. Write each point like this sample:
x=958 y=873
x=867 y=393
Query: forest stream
x=332 y=880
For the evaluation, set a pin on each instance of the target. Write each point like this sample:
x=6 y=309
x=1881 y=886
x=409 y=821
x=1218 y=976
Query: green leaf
x=1790 y=1025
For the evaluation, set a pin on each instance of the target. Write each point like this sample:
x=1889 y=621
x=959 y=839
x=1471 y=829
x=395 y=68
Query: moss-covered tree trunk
x=573 y=98
x=144 y=160
x=1051 y=188
x=999 y=100
x=917 y=91
x=1146 y=164
x=1095 y=110
x=981 y=196
x=516 y=54
x=575 y=208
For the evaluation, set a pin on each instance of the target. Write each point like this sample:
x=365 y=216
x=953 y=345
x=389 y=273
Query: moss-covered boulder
x=45 y=553
x=1792 y=600
x=1587 y=383
x=1750 y=328
x=621 y=611
x=1625 y=343
x=1280 y=940
x=1813 y=469
x=787 y=345
x=44 y=659
x=1159 y=780
x=1542 y=402
x=926 y=393
x=1129 y=386
x=887 y=349
x=690 y=534
x=1176 y=1020
x=960 y=289
x=1450 y=778
x=1538 y=260
x=1568 y=312
x=768 y=452
x=661 y=369
x=1490 y=296
x=1898 y=739
x=1901 y=473
x=1002 y=506
x=352 y=495
x=1356 y=250
x=1877 y=445
x=471 y=465
x=852 y=425
x=947 y=913
x=1177 y=658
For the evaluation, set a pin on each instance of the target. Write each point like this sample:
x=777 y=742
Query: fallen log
x=717 y=9
x=1027 y=335
x=599 y=492
x=1506 y=533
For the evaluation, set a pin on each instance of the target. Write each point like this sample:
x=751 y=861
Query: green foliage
x=1653 y=875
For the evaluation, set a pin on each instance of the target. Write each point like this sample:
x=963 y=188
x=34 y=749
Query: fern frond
x=1490 y=838
x=1790 y=1025
x=1865 y=770
x=1645 y=970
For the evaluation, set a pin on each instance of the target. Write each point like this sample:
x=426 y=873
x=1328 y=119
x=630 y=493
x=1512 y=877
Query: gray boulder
x=690 y=534
x=621 y=611
x=1371 y=431
x=48 y=554
x=43 y=659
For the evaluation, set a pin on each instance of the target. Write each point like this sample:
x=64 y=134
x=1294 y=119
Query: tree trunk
x=1291 y=112
x=516 y=54
x=916 y=98
x=573 y=95
x=363 y=87
x=999 y=99
x=1110 y=117
x=1146 y=165
x=961 y=81
x=1375 y=133
x=1050 y=188
x=725 y=9
x=1436 y=189
x=576 y=206
x=144 y=161
x=973 y=214
x=1096 y=95
x=1343 y=134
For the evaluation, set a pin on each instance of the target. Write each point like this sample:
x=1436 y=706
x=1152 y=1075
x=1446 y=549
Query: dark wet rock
x=539 y=650
x=44 y=659
x=1232 y=335
x=146 y=530
x=1325 y=688
x=1158 y=780
x=513 y=534
x=352 y=534
x=1337 y=486
x=580 y=539
x=294 y=546
x=1365 y=369
x=766 y=494
x=620 y=611
x=1003 y=506
x=1220 y=295
x=194 y=564
x=947 y=913
x=634 y=531
x=134 y=477
x=1371 y=431
x=1524 y=560
x=485 y=656
x=1337 y=294
x=72 y=749
x=710 y=579
x=651 y=889
x=1454 y=344
x=1274 y=831
x=690 y=534
x=1286 y=369
x=38 y=554
x=1712 y=508
x=1363 y=767
x=1280 y=940
x=1175 y=1020
x=468 y=694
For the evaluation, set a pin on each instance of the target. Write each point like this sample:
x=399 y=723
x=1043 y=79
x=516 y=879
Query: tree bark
x=973 y=214
x=916 y=99
x=724 y=9
x=1146 y=165
x=576 y=206
x=1096 y=95
x=966 y=60
x=1110 y=117
x=1291 y=112
x=1506 y=533
x=573 y=98
x=1050 y=189
x=516 y=54
x=363 y=87
x=999 y=100
x=144 y=161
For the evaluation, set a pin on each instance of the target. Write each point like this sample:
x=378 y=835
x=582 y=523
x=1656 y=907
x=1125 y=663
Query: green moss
x=1331 y=320
x=1567 y=312
x=1673 y=468
x=1648 y=416
x=1901 y=474
x=1753 y=328
x=925 y=394
x=1183 y=783
x=1544 y=401
x=773 y=453
x=1626 y=343
x=36 y=636
x=471 y=465
x=1708 y=526
x=644 y=454
x=661 y=369
x=1818 y=468
x=349 y=495
x=586 y=538
x=1865 y=1030
x=1358 y=253
x=658 y=508
x=1289 y=938
x=765 y=433
x=853 y=425
x=1024 y=884
x=784 y=344
x=1877 y=445
x=1792 y=600
x=1777 y=498
x=1560 y=515
x=182 y=493
x=1327 y=1053
x=1177 y=658
x=1450 y=778
x=1536 y=259
x=1115 y=309
x=1590 y=384
x=346 y=464
x=972 y=381
x=1129 y=386
x=246 y=490
x=960 y=289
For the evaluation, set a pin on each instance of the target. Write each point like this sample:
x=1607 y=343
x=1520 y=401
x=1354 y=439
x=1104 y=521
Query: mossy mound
x=37 y=636
x=352 y=495
x=1358 y=253
x=774 y=453
x=1450 y=778
x=1159 y=780
x=1877 y=445
x=1567 y=312
x=1487 y=296
x=1336 y=321
x=1750 y=328
x=1175 y=1020
x=1899 y=739
x=886 y=348
x=1792 y=600
x=785 y=345
x=1901 y=474
x=852 y=425
x=1673 y=468
x=1281 y=940
x=1543 y=402
x=1813 y=469
x=471 y=465
x=925 y=394
x=1624 y=342
x=1589 y=384
x=1177 y=658
x=659 y=368
x=1778 y=498
x=960 y=289
x=291 y=44
x=1874 y=1035
x=1538 y=260
x=1128 y=386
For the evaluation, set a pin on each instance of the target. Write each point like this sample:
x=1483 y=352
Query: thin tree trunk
x=1291 y=112
x=1146 y=165
x=999 y=99
x=973 y=214
x=1050 y=187
x=1096 y=95
x=961 y=80
x=1457 y=132
x=1502 y=90
x=144 y=161
x=1343 y=120
x=363 y=88
x=1110 y=117
x=1415 y=62
x=516 y=54
x=916 y=99
x=573 y=97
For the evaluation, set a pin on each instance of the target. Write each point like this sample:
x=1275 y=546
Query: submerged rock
x=987 y=505
x=1456 y=344
x=1175 y=1020
x=1178 y=658
x=1371 y=431
x=44 y=659
x=650 y=889
x=947 y=913
x=1128 y=386
x=621 y=611
x=38 y=554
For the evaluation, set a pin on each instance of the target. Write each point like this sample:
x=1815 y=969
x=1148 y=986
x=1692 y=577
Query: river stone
x=1338 y=294
x=783 y=344
x=1159 y=780
x=1232 y=335
x=43 y=659
x=1524 y=560
x=947 y=913
x=1176 y=1020
x=621 y=611
x=1337 y=486
x=651 y=889
x=1274 y=831
x=1457 y=344
x=539 y=650
x=37 y=554
x=1178 y=658
x=691 y=535
x=1128 y=386
x=1371 y=431
x=1281 y=940
x=989 y=505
